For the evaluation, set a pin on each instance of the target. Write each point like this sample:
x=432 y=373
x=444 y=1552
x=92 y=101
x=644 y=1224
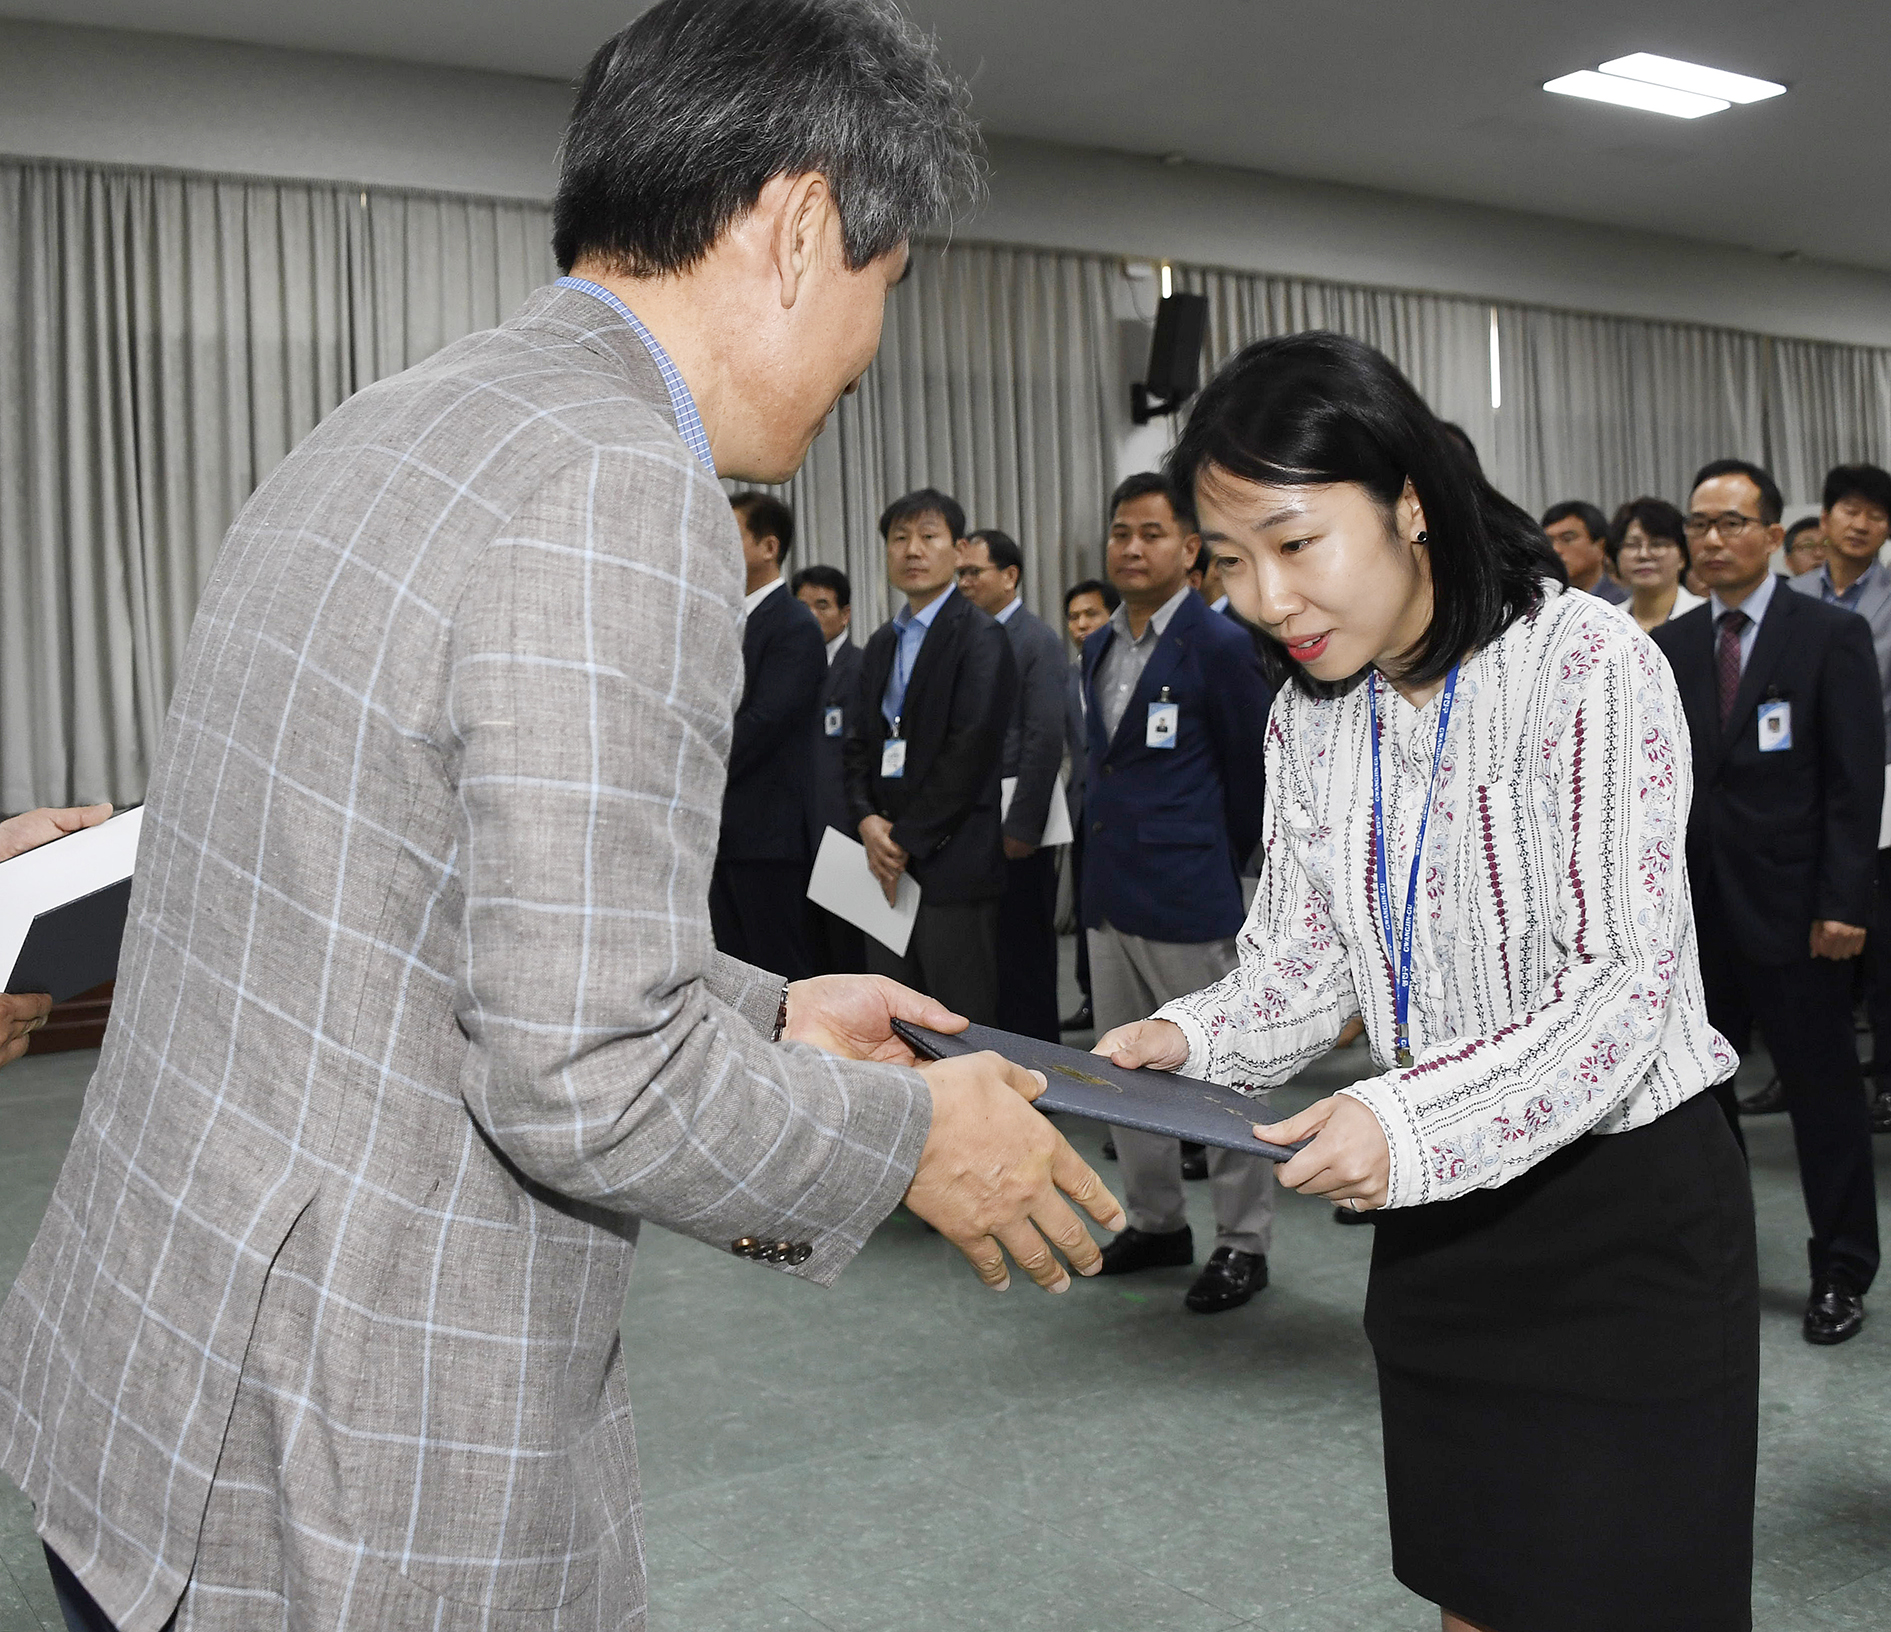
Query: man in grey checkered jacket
x=418 y=1014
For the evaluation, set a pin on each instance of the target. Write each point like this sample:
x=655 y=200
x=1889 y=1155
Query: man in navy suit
x=838 y=946
x=1175 y=706
x=924 y=759
x=1781 y=696
x=758 y=891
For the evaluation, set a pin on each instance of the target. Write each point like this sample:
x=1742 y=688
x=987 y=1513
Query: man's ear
x=804 y=210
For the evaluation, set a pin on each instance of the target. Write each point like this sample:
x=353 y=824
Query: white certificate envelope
x=1056 y=824
x=845 y=885
x=57 y=875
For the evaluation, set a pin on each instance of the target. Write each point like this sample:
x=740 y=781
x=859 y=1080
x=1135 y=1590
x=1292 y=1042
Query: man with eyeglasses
x=1782 y=849
x=1855 y=520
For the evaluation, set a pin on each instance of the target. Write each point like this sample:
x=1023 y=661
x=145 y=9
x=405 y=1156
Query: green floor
x=910 y=1452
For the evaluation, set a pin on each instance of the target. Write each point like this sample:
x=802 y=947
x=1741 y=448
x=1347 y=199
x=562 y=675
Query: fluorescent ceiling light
x=1691 y=76
x=1635 y=93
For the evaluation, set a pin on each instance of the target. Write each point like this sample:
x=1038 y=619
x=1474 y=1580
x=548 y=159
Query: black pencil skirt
x=1569 y=1383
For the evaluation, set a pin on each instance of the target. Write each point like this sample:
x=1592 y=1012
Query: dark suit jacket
x=1788 y=837
x=839 y=690
x=1034 y=739
x=944 y=810
x=771 y=753
x=1168 y=828
x=1074 y=743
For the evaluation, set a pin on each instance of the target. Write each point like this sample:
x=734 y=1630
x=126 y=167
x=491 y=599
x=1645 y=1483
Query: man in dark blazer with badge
x=1781 y=696
x=924 y=759
x=1175 y=709
x=758 y=891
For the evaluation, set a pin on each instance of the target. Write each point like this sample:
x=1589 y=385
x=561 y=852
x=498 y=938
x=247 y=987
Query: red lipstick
x=1308 y=651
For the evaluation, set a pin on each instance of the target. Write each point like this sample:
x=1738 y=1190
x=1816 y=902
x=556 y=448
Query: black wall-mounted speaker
x=1175 y=357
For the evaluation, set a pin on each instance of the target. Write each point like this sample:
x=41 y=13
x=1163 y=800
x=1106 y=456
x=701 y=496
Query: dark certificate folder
x=1088 y=1085
x=62 y=909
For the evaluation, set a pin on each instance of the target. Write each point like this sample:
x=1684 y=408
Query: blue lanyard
x=1402 y=962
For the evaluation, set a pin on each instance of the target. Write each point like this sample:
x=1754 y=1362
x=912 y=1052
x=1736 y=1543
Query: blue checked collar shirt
x=1848 y=598
x=689 y=423
x=912 y=627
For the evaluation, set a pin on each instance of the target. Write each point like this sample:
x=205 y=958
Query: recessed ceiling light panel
x=1635 y=93
x=1691 y=76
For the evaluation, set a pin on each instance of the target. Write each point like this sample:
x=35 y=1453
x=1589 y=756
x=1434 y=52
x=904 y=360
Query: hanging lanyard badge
x=1402 y=960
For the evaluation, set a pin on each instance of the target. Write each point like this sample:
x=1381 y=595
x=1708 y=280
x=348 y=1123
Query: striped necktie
x=1727 y=661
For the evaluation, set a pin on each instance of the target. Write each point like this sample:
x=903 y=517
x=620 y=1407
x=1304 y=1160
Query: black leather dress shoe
x=1881 y=1112
x=1137 y=1249
x=1833 y=1313
x=1194 y=1161
x=1227 y=1281
x=1082 y=1020
x=1769 y=1099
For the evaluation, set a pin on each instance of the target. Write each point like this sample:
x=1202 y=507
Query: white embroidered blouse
x=1556 y=988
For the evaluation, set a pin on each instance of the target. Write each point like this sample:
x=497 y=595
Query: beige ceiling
x=1438 y=98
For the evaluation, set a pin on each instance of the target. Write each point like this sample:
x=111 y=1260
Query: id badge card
x=893 y=757
x=1776 y=726
x=1164 y=718
x=832 y=722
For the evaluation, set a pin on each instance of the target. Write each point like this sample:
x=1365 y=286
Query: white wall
x=140 y=99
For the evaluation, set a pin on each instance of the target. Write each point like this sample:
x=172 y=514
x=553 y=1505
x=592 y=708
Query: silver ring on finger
x=1353 y=1202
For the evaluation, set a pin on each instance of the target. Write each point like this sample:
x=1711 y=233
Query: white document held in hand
x=844 y=884
x=1056 y=823
x=56 y=875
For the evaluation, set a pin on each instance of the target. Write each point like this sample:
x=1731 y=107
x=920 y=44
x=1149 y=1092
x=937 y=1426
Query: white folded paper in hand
x=844 y=884
x=1056 y=824
x=60 y=873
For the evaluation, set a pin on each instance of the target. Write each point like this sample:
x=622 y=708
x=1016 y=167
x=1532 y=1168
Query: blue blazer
x=1166 y=829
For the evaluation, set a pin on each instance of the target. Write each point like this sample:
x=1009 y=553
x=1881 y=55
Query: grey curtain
x=995 y=383
x=1826 y=405
x=164 y=340
x=1592 y=407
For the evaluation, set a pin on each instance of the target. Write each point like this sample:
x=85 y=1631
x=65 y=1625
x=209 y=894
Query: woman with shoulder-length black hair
x=1478 y=784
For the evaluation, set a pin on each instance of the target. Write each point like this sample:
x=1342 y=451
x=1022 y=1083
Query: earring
x=1423 y=538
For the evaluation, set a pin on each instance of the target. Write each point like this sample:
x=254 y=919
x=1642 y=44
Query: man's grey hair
x=686 y=115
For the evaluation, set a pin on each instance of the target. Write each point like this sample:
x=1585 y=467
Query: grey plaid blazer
x=417 y=1017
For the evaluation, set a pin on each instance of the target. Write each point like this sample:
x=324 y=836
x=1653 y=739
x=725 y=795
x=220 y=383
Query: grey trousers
x=1131 y=978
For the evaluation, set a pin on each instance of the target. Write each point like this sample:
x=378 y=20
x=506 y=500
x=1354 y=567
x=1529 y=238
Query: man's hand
x=1018 y=850
x=20 y=1017
x=1348 y=1160
x=989 y=1176
x=19 y=834
x=1831 y=939
x=1160 y=1044
x=852 y=1015
x=885 y=859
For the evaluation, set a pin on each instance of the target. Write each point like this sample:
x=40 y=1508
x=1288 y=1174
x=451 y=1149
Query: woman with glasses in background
x=1648 y=556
